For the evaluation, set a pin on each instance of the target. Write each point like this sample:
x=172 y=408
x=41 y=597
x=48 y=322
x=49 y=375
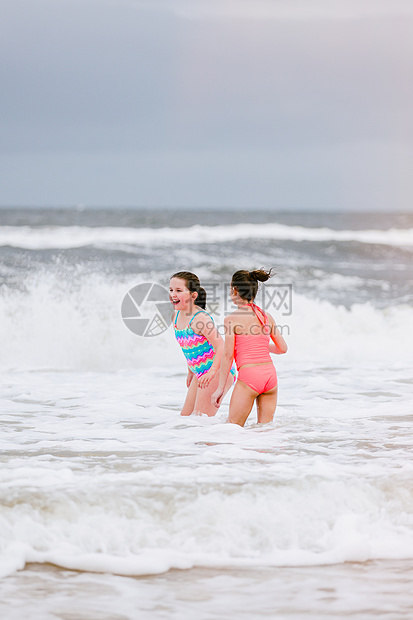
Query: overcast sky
x=234 y=103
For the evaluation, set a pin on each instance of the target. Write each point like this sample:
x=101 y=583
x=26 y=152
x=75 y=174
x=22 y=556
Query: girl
x=248 y=331
x=201 y=344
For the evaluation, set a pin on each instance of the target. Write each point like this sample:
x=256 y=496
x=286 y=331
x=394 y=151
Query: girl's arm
x=278 y=344
x=226 y=362
x=189 y=378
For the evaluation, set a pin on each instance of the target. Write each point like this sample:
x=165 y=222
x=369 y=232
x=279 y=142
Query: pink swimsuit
x=254 y=349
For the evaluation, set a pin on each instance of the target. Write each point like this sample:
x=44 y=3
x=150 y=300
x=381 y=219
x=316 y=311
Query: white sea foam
x=54 y=325
x=100 y=473
x=104 y=476
x=73 y=236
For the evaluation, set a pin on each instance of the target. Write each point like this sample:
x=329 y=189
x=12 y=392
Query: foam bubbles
x=102 y=474
x=78 y=325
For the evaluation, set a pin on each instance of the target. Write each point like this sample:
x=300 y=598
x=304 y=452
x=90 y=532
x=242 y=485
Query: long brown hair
x=246 y=282
x=194 y=286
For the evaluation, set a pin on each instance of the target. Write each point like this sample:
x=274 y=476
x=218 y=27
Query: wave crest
x=78 y=325
x=64 y=237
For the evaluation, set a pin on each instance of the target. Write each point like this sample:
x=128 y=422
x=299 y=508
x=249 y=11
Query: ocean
x=114 y=507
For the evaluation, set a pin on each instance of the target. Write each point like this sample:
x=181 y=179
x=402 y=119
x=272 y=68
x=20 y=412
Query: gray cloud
x=151 y=88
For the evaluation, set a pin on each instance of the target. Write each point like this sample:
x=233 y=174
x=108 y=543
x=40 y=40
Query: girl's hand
x=189 y=378
x=206 y=379
x=217 y=397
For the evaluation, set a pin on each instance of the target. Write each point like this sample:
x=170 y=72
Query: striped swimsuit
x=197 y=349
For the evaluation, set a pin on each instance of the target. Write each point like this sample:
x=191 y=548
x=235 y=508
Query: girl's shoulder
x=270 y=318
x=202 y=316
x=234 y=317
x=230 y=317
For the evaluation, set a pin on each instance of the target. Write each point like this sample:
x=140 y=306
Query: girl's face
x=233 y=293
x=235 y=298
x=179 y=294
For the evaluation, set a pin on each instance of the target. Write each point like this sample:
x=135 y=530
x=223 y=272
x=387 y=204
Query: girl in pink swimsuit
x=250 y=336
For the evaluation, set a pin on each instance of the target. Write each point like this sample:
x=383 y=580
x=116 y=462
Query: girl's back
x=251 y=329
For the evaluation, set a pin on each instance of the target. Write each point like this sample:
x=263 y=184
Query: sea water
x=113 y=506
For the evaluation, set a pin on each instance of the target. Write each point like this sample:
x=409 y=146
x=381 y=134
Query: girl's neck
x=244 y=304
x=190 y=310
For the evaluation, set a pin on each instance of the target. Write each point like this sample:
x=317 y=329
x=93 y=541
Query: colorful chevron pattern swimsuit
x=197 y=349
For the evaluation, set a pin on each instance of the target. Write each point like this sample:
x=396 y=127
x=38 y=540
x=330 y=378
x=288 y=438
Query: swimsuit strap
x=258 y=311
x=199 y=312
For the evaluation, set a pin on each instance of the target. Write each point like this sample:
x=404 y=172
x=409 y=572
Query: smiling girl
x=201 y=343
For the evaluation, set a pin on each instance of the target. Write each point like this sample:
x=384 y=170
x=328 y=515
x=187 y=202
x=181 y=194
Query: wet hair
x=194 y=286
x=246 y=282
